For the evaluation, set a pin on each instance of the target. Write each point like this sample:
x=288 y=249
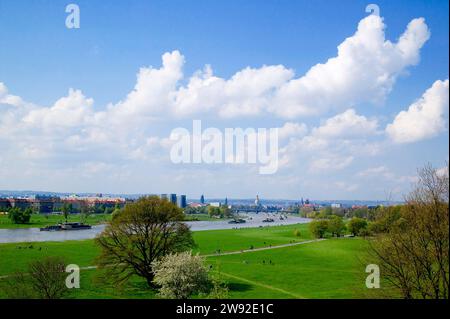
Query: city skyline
x=360 y=103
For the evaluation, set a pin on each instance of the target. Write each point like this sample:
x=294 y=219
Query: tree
x=226 y=211
x=141 y=233
x=19 y=216
x=45 y=280
x=336 y=226
x=360 y=212
x=214 y=211
x=47 y=277
x=413 y=252
x=318 y=228
x=357 y=225
x=305 y=211
x=66 y=210
x=180 y=275
x=385 y=218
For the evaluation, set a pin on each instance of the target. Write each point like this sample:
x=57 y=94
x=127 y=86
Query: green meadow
x=326 y=269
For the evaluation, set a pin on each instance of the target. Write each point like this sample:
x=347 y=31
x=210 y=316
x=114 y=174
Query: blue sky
x=40 y=60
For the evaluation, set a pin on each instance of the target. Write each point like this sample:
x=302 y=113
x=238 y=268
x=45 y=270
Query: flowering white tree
x=180 y=275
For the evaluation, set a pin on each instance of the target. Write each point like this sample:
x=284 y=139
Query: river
x=35 y=235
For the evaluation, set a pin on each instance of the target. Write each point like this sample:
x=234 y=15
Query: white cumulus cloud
x=425 y=118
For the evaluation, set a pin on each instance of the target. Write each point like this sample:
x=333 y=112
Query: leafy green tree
x=318 y=228
x=143 y=231
x=357 y=226
x=225 y=211
x=214 y=211
x=336 y=226
x=19 y=216
x=360 y=212
x=385 y=219
x=66 y=210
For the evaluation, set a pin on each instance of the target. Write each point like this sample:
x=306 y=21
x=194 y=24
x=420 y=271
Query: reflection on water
x=34 y=234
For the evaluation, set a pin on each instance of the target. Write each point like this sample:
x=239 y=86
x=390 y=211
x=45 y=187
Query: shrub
x=218 y=290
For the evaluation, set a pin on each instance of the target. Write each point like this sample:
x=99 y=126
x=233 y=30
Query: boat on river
x=66 y=226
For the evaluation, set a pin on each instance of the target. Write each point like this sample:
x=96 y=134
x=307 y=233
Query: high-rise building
x=202 y=199
x=226 y=201
x=173 y=198
x=257 y=203
x=182 y=201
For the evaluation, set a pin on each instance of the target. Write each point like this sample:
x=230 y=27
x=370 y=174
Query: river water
x=34 y=234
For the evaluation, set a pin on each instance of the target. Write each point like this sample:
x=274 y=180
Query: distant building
x=182 y=201
x=4 y=204
x=257 y=202
x=21 y=203
x=195 y=205
x=45 y=204
x=215 y=204
x=163 y=196
x=202 y=199
x=336 y=205
x=226 y=202
x=173 y=198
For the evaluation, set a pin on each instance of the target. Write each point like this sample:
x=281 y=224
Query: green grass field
x=16 y=256
x=327 y=269
x=42 y=220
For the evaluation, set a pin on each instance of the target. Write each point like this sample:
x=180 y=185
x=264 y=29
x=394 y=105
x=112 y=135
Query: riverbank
x=18 y=235
x=42 y=220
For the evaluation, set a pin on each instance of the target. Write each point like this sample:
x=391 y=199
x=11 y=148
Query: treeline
x=363 y=222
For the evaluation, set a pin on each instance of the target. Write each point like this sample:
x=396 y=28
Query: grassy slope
x=328 y=269
x=42 y=220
